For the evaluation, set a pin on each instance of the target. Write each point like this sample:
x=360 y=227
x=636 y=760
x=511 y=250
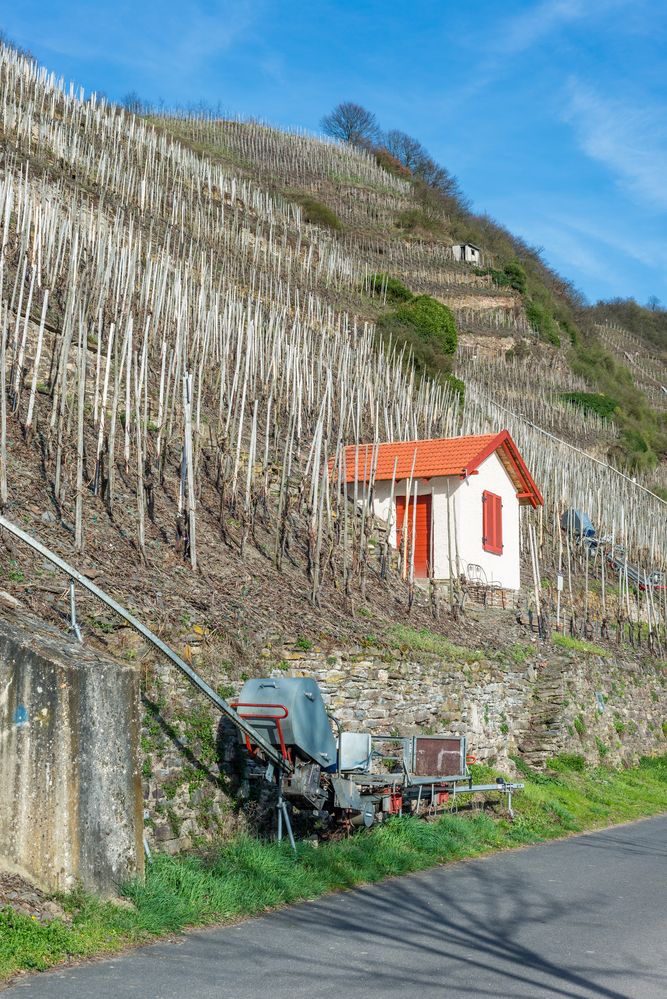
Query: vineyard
x=183 y=347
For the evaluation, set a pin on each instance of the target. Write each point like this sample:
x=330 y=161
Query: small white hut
x=456 y=498
x=467 y=253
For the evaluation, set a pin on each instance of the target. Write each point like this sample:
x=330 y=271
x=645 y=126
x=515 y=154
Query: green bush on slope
x=394 y=289
x=432 y=321
x=592 y=402
x=318 y=213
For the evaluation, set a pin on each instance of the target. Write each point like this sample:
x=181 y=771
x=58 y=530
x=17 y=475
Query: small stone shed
x=458 y=498
x=467 y=253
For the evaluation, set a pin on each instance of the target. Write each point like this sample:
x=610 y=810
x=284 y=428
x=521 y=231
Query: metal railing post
x=74 y=627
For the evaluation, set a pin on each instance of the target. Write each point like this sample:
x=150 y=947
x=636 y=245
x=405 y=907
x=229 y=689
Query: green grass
x=246 y=876
x=519 y=652
x=422 y=640
x=317 y=213
x=579 y=645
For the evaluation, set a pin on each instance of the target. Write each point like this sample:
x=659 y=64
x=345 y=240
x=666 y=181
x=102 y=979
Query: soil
x=239 y=603
x=18 y=894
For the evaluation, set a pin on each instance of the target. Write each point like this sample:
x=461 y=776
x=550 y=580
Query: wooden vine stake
x=189 y=470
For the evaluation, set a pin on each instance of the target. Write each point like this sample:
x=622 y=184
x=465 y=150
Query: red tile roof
x=425 y=459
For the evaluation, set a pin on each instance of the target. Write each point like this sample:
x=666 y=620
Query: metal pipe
x=175 y=659
x=72 y=612
x=339 y=729
x=288 y=825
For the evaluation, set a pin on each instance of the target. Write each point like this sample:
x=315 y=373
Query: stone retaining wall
x=525 y=701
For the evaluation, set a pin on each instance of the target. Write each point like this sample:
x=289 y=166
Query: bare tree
x=406 y=149
x=19 y=49
x=135 y=104
x=412 y=155
x=351 y=123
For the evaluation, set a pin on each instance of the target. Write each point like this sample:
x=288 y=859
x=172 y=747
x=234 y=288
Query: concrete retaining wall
x=71 y=808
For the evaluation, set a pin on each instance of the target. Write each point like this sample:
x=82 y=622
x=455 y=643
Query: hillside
x=196 y=313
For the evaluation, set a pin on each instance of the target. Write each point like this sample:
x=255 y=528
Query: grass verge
x=246 y=877
x=579 y=645
x=422 y=640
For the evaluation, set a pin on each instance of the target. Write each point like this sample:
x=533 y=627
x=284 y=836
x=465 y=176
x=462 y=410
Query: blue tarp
x=579 y=523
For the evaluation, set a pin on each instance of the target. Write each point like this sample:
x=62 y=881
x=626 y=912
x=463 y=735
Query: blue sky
x=552 y=114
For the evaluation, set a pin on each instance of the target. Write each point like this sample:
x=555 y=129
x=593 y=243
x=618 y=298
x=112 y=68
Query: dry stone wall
x=527 y=701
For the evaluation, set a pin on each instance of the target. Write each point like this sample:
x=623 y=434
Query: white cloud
x=519 y=34
x=630 y=140
x=526 y=29
x=574 y=252
x=619 y=235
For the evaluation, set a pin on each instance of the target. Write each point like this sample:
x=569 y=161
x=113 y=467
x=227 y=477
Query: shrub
x=395 y=289
x=541 y=318
x=417 y=218
x=318 y=213
x=387 y=161
x=511 y=276
x=571 y=331
x=636 y=441
x=498 y=277
x=432 y=320
x=579 y=725
x=457 y=385
x=427 y=358
x=592 y=402
x=515 y=275
x=427 y=331
x=642 y=438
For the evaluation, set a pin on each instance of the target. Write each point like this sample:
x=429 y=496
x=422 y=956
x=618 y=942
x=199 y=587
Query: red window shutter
x=492 y=523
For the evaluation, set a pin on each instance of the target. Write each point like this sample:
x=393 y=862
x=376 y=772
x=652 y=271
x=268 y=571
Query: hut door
x=423 y=531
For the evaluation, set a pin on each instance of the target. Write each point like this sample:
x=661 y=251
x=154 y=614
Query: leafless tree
x=19 y=49
x=351 y=123
x=135 y=104
x=412 y=154
x=406 y=149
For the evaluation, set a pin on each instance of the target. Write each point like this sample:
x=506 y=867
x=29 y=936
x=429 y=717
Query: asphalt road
x=582 y=917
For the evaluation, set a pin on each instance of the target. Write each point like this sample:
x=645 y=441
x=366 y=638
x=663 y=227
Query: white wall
x=466 y=254
x=466 y=506
x=505 y=568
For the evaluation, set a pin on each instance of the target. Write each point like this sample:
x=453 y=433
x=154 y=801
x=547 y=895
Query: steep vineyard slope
x=377 y=214
x=188 y=331
x=172 y=379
